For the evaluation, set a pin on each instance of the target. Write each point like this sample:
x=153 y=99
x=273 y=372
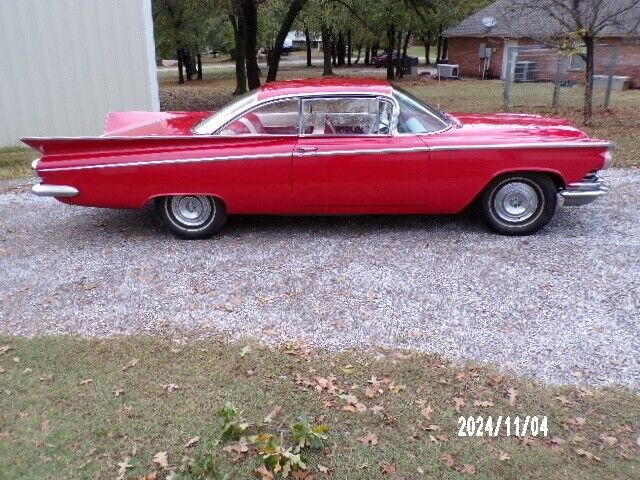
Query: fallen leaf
x=273 y=414
x=86 y=381
x=238 y=447
x=483 y=403
x=496 y=380
x=512 y=394
x=469 y=469
x=323 y=469
x=245 y=351
x=3 y=370
x=387 y=468
x=264 y=474
x=161 y=459
x=170 y=387
x=369 y=439
x=302 y=475
x=586 y=454
x=426 y=412
x=122 y=468
x=5 y=348
x=585 y=392
x=502 y=456
x=431 y=428
x=577 y=422
x=609 y=441
x=118 y=393
x=149 y=476
x=377 y=409
x=47 y=377
x=192 y=442
x=458 y=404
x=449 y=458
x=397 y=388
x=131 y=364
x=563 y=400
x=27 y=370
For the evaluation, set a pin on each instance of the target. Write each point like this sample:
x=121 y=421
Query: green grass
x=15 y=162
x=56 y=424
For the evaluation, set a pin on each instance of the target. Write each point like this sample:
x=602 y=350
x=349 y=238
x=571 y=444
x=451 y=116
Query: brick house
x=478 y=44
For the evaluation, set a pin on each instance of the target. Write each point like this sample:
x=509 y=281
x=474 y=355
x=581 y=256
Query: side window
x=414 y=118
x=346 y=116
x=274 y=118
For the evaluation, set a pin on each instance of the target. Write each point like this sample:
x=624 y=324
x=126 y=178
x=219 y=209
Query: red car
x=335 y=146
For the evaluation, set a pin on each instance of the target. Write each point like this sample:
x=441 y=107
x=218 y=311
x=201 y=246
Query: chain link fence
x=540 y=76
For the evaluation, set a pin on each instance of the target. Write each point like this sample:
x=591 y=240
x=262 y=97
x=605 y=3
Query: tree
x=294 y=9
x=586 y=20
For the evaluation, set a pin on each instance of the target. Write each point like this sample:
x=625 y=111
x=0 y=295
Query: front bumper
x=584 y=192
x=43 y=190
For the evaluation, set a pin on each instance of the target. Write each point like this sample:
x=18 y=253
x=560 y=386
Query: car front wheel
x=519 y=204
x=192 y=216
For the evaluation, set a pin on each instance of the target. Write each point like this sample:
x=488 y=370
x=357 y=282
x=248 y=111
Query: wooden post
x=612 y=72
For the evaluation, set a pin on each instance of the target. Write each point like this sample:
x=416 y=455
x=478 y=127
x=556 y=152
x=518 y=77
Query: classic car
x=326 y=146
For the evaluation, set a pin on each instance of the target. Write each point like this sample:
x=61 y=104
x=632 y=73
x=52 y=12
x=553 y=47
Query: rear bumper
x=582 y=193
x=43 y=190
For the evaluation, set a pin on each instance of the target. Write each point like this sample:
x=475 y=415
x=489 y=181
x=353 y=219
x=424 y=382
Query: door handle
x=307 y=149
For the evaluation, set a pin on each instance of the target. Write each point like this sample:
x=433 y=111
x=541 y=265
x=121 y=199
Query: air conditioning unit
x=524 y=72
x=446 y=70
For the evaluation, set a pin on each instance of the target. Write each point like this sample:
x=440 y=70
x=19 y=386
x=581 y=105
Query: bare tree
x=586 y=20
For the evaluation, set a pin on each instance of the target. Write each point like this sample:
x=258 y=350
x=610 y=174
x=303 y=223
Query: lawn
x=15 y=162
x=74 y=408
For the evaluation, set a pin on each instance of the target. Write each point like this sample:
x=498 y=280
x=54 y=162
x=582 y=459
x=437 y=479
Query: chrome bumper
x=42 y=190
x=582 y=193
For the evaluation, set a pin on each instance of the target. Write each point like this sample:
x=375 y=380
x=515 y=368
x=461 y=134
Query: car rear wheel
x=519 y=204
x=192 y=216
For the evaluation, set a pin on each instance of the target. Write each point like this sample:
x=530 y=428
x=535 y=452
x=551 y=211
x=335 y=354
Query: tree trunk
x=250 y=15
x=308 y=41
x=334 y=54
x=445 y=48
x=399 y=72
x=326 y=50
x=340 y=49
x=359 y=53
x=404 y=53
x=588 y=84
x=439 y=45
x=367 y=57
x=238 y=34
x=374 y=48
x=199 y=57
x=427 y=48
x=391 y=36
x=180 y=65
x=289 y=18
x=349 y=47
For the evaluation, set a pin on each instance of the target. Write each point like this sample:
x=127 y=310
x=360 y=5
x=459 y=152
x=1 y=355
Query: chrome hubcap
x=515 y=202
x=191 y=210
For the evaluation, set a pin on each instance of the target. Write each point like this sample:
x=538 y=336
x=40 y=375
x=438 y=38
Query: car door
x=347 y=156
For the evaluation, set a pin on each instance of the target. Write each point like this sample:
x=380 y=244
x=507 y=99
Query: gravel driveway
x=563 y=305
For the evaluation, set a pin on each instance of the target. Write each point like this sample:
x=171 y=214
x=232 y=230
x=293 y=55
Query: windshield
x=416 y=117
x=226 y=113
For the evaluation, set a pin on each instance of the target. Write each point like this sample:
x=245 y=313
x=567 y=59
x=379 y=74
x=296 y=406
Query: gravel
x=561 y=306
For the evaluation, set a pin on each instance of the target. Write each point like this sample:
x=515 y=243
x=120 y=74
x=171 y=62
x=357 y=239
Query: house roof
x=519 y=21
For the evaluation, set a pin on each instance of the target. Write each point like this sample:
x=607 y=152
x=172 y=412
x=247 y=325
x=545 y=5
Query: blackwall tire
x=519 y=204
x=192 y=216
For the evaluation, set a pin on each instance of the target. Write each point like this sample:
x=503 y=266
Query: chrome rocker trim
x=583 y=193
x=42 y=190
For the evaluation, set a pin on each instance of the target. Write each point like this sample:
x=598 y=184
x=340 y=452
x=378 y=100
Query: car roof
x=329 y=85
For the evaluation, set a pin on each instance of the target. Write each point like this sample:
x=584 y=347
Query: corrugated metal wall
x=65 y=63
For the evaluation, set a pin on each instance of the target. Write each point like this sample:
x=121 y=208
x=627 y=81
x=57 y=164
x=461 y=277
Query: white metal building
x=65 y=63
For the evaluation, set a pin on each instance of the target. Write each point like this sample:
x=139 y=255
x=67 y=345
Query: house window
x=576 y=62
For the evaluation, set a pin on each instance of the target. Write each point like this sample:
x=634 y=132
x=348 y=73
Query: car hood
x=514 y=126
x=140 y=124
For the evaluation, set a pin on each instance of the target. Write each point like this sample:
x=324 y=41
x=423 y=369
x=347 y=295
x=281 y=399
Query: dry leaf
x=376 y=409
x=502 y=456
x=3 y=370
x=577 y=422
x=118 y=393
x=449 y=458
x=5 y=348
x=496 y=380
x=273 y=414
x=47 y=377
x=192 y=442
x=322 y=469
x=609 y=441
x=161 y=459
x=469 y=469
x=170 y=387
x=426 y=412
x=387 y=468
x=264 y=474
x=149 y=476
x=86 y=381
x=238 y=447
x=302 y=475
x=431 y=428
x=586 y=454
x=369 y=439
x=512 y=394
x=122 y=468
x=483 y=403
x=131 y=364
x=458 y=404
x=563 y=400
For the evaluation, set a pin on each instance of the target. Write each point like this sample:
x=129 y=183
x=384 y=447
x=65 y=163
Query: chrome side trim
x=43 y=190
x=333 y=152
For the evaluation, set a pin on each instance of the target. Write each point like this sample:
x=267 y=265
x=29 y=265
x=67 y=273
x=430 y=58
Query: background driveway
x=563 y=305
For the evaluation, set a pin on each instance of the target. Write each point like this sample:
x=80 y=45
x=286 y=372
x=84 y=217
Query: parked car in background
x=326 y=146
